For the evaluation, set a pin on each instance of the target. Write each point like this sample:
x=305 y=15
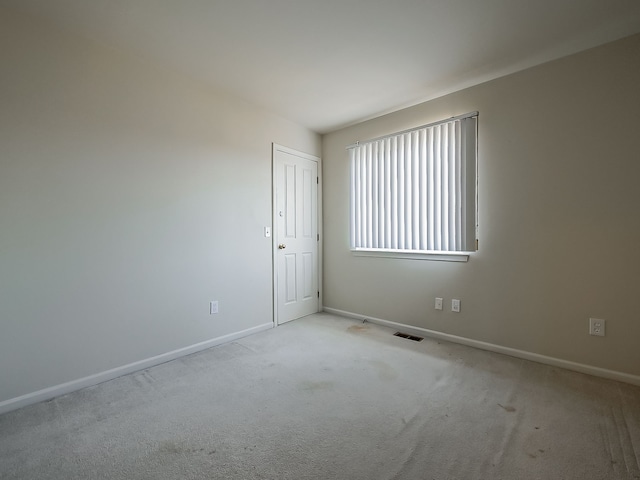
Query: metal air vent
x=410 y=337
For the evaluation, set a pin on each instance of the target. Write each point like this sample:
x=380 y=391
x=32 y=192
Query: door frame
x=274 y=241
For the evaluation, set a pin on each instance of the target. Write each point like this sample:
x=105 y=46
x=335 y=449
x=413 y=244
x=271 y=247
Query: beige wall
x=129 y=198
x=559 y=210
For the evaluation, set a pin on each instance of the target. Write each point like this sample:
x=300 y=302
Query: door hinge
x=318 y=237
x=318 y=294
x=318 y=180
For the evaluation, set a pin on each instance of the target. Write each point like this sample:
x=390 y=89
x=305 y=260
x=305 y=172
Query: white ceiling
x=329 y=63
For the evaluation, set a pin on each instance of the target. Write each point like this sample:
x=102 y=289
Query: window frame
x=466 y=142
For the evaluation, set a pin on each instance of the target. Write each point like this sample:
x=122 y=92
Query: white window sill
x=413 y=254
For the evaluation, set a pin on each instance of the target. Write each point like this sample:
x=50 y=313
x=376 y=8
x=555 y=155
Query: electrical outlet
x=438 y=303
x=213 y=307
x=455 y=305
x=596 y=327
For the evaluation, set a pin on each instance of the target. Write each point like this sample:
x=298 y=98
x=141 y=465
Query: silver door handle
x=282 y=246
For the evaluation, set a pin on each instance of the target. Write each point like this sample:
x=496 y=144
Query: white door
x=296 y=233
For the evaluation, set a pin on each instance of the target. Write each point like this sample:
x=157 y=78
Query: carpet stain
x=535 y=455
x=172 y=448
x=169 y=447
x=316 y=386
x=143 y=378
x=384 y=370
x=508 y=408
x=358 y=328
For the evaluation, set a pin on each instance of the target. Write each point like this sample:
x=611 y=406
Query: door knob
x=282 y=246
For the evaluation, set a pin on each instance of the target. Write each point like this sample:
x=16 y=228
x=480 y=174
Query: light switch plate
x=438 y=304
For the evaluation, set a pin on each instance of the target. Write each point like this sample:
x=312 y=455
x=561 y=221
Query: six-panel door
x=296 y=236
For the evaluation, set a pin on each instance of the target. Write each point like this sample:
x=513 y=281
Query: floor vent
x=410 y=337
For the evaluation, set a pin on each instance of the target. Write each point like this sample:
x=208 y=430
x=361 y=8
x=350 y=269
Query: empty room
x=304 y=239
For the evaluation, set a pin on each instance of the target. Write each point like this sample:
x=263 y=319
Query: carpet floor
x=325 y=397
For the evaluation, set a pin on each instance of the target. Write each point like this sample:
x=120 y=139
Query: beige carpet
x=329 y=398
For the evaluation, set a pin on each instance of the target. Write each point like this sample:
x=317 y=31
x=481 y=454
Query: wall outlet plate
x=213 y=307
x=596 y=327
x=455 y=305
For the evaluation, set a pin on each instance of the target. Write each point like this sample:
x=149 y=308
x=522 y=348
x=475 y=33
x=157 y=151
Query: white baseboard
x=91 y=380
x=556 y=362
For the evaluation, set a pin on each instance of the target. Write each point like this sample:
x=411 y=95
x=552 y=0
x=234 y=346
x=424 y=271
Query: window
x=415 y=191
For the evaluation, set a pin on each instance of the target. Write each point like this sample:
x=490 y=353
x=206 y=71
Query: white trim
x=412 y=254
x=91 y=380
x=297 y=153
x=513 y=352
x=274 y=234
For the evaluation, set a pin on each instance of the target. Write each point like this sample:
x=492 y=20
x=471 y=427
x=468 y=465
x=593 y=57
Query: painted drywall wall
x=558 y=213
x=130 y=197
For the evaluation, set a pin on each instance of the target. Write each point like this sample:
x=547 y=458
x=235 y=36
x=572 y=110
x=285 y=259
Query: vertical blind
x=416 y=190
